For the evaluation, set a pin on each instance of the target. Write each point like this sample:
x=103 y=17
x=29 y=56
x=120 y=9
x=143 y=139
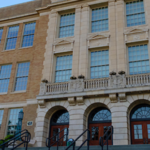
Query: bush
x=8 y=137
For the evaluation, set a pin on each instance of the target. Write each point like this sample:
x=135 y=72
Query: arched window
x=100 y=115
x=141 y=112
x=60 y=117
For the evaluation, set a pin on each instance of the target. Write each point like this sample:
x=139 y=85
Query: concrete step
x=114 y=147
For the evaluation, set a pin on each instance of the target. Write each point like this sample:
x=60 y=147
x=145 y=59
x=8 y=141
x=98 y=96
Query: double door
x=97 y=131
x=140 y=132
x=62 y=136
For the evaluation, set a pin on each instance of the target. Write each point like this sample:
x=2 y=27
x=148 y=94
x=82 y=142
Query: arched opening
x=99 y=120
x=140 y=124
x=59 y=121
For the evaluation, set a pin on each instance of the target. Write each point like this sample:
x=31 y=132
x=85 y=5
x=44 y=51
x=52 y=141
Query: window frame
x=13 y=37
x=99 y=5
x=14 y=83
x=6 y=131
x=59 y=17
x=22 y=36
x=2 y=117
x=93 y=50
x=55 y=61
x=127 y=1
x=1 y=28
x=127 y=54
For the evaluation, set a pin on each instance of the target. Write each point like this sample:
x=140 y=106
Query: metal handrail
x=101 y=140
x=87 y=140
x=57 y=140
x=23 y=136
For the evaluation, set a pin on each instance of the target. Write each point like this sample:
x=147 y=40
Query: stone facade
x=119 y=93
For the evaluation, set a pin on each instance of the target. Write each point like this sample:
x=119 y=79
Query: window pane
x=100 y=19
x=99 y=64
x=67 y=25
x=12 y=37
x=138 y=59
x=22 y=76
x=135 y=13
x=5 y=72
x=13 y=120
x=63 y=68
x=28 y=35
x=1 y=116
x=1 y=32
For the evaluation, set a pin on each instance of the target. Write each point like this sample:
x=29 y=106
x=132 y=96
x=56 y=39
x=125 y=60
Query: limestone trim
x=71 y=101
x=80 y=100
x=122 y=97
x=113 y=98
x=41 y=103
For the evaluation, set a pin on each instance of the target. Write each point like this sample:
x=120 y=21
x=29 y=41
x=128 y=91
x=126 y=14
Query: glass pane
x=67 y=25
x=148 y=130
x=13 y=121
x=138 y=134
x=1 y=32
x=105 y=129
x=22 y=76
x=1 y=116
x=135 y=13
x=95 y=133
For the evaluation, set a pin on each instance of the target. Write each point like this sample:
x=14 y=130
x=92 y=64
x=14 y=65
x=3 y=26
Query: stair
x=114 y=147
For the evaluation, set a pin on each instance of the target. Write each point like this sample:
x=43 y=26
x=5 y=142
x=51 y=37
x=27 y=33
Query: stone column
x=49 y=56
x=77 y=123
x=83 y=62
x=121 y=47
x=76 y=49
x=119 y=122
x=112 y=29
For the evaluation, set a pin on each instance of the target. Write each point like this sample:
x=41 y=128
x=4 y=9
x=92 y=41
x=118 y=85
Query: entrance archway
x=140 y=124
x=99 y=120
x=59 y=121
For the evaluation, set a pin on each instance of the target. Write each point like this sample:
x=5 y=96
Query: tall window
x=1 y=32
x=63 y=68
x=138 y=59
x=12 y=37
x=135 y=13
x=67 y=25
x=5 y=72
x=100 y=19
x=100 y=64
x=1 y=117
x=28 y=35
x=22 y=76
x=13 y=121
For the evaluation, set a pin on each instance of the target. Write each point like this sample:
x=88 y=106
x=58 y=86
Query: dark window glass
x=1 y=32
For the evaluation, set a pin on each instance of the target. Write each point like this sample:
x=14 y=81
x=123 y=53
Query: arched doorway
x=99 y=120
x=59 y=121
x=140 y=124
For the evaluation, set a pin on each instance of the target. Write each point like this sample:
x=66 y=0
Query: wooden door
x=54 y=131
x=140 y=132
x=98 y=130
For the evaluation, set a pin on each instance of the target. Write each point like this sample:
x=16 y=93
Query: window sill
x=143 y=25
x=8 y=50
x=17 y=92
x=25 y=47
x=3 y=93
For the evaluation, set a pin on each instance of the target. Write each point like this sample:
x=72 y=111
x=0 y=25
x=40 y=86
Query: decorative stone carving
x=113 y=98
x=98 y=39
x=136 y=34
x=122 y=97
x=117 y=81
x=80 y=100
x=76 y=85
x=71 y=101
x=63 y=45
x=42 y=88
x=41 y=103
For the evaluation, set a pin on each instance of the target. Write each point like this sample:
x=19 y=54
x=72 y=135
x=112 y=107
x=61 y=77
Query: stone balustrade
x=81 y=85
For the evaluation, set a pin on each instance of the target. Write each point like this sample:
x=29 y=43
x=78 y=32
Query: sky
x=4 y=3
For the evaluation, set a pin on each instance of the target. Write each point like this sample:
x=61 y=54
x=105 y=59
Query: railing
x=57 y=87
x=48 y=140
x=78 y=85
x=87 y=140
x=96 y=83
x=107 y=135
x=23 y=137
x=136 y=80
